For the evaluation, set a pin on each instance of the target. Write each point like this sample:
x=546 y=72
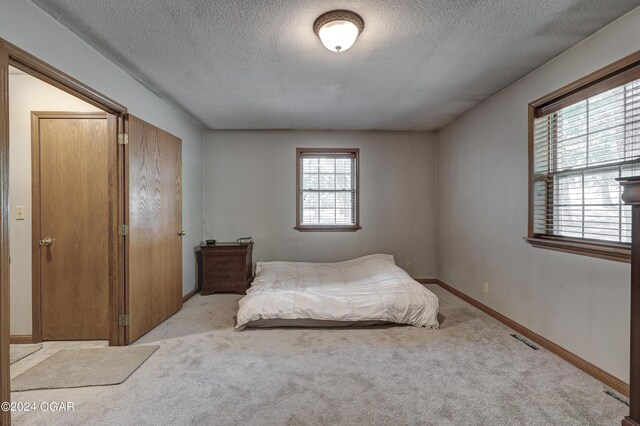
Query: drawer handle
x=224 y=262
x=225 y=276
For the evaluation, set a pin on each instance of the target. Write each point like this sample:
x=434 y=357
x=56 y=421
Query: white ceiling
x=256 y=64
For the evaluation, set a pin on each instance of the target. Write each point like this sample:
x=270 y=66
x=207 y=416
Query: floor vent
x=525 y=341
x=617 y=397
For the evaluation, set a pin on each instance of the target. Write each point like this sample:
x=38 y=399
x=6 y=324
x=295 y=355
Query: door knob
x=182 y=233
x=46 y=242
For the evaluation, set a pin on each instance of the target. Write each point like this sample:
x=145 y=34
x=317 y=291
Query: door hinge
x=123 y=320
x=123 y=230
x=123 y=138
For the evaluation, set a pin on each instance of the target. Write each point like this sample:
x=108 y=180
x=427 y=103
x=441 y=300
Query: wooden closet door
x=154 y=287
x=71 y=209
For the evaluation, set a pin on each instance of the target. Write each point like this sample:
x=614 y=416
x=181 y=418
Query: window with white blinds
x=327 y=185
x=578 y=152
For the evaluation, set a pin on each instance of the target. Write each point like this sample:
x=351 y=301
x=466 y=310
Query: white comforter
x=369 y=288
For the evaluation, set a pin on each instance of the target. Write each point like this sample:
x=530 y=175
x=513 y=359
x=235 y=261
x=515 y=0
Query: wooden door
x=154 y=287
x=72 y=217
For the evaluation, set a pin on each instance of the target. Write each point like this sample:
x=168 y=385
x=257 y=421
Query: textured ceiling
x=256 y=64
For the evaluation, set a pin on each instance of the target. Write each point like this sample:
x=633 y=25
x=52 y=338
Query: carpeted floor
x=470 y=372
x=18 y=352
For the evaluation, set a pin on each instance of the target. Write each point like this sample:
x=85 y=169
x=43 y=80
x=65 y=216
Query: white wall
x=581 y=303
x=28 y=27
x=27 y=94
x=250 y=190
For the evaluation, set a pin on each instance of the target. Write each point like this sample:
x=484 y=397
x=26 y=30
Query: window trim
x=606 y=78
x=328 y=228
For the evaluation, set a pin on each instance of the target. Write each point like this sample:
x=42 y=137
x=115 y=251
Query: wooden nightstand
x=224 y=267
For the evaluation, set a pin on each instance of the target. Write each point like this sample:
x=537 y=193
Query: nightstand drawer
x=224 y=262
x=217 y=276
x=239 y=288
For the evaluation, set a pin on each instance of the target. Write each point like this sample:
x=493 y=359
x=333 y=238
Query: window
x=580 y=143
x=327 y=190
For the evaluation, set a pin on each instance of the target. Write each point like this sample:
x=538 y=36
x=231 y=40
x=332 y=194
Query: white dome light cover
x=338 y=29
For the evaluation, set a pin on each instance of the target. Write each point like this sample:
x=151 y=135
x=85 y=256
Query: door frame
x=36 y=280
x=18 y=58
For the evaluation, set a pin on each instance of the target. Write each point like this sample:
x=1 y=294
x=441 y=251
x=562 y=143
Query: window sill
x=327 y=228
x=601 y=250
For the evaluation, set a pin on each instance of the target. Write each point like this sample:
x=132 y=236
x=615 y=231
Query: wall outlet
x=19 y=212
x=409 y=266
x=486 y=287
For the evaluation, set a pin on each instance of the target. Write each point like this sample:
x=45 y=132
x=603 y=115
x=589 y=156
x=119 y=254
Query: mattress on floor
x=278 y=322
x=366 y=289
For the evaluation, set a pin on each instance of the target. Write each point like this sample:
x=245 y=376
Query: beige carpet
x=75 y=368
x=18 y=352
x=470 y=372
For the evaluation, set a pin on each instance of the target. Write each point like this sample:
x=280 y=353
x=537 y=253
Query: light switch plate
x=19 y=212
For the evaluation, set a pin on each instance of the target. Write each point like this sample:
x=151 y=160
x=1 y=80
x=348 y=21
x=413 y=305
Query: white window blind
x=327 y=185
x=578 y=152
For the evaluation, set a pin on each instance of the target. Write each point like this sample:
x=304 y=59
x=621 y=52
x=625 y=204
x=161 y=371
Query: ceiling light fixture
x=338 y=29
